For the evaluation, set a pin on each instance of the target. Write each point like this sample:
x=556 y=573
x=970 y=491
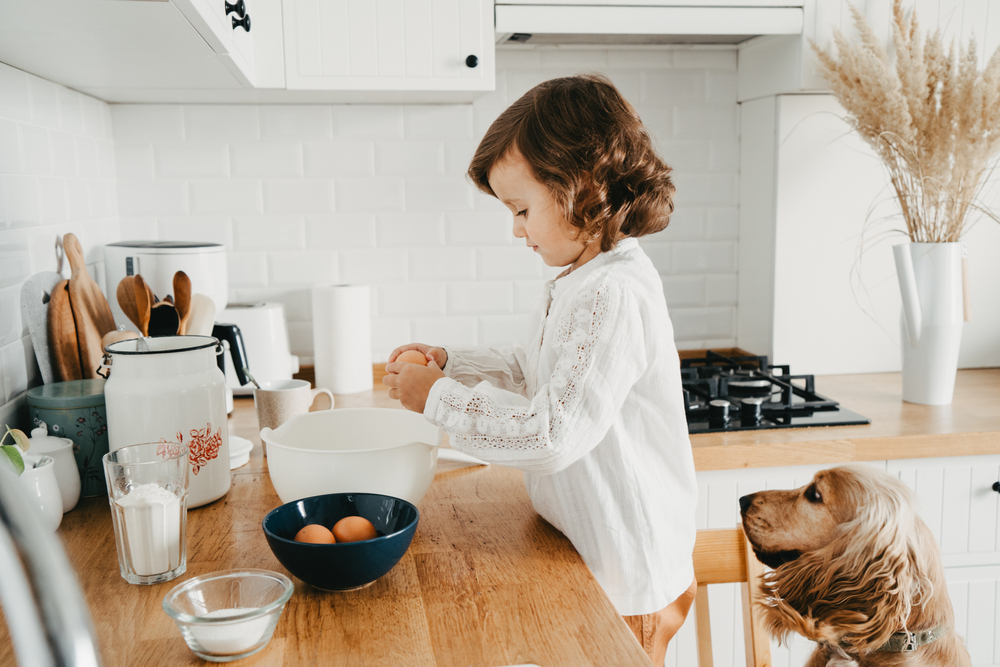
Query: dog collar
x=908 y=642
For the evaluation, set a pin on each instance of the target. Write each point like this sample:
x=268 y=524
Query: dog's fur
x=852 y=564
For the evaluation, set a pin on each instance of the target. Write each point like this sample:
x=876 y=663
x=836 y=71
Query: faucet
x=47 y=616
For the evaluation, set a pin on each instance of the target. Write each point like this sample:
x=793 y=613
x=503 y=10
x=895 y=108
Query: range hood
x=645 y=21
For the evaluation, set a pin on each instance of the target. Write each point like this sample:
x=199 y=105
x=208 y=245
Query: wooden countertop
x=969 y=426
x=485 y=582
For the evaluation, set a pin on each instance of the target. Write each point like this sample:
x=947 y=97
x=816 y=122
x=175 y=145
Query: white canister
x=61 y=451
x=39 y=481
x=170 y=389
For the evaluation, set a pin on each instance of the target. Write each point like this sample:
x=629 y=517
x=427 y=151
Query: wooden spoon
x=63 y=348
x=202 y=315
x=126 y=299
x=182 y=301
x=143 y=303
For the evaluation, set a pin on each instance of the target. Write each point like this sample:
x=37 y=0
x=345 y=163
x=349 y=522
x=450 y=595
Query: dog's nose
x=745 y=502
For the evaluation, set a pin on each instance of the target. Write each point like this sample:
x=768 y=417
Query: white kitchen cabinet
x=955 y=498
x=229 y=34
x=401 y=45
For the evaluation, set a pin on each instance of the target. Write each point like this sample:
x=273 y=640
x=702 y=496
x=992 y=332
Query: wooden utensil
x=202 y=317
x=143 y=302
x=182 y=301
x=91 y=312
x=35 y=296
x=126 y=299
x=63 y=343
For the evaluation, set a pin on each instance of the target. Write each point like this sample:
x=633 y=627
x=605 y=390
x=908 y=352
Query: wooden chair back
x=725 y=556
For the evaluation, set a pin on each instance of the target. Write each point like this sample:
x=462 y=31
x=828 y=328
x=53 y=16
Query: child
x=590 y=409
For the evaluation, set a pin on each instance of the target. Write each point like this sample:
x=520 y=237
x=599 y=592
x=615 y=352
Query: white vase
x=930 y=281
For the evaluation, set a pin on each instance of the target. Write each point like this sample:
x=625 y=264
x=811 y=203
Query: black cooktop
x=724 y=393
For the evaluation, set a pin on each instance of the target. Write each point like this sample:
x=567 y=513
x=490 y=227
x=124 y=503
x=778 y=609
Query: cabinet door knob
x=996 y=486
x=244 y=22
x=471 y=61
x=239 y=8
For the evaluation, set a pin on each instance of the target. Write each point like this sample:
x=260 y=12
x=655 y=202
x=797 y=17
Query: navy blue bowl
x=347 y=565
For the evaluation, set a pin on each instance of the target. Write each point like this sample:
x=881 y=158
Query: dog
x=854 y=569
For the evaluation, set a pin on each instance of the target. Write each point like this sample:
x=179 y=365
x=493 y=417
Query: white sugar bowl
x=66 y=471
x=39 y=481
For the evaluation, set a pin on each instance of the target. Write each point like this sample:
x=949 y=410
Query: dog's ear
x=857 y=590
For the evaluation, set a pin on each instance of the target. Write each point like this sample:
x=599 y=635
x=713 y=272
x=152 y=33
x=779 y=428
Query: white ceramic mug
x=279 y=401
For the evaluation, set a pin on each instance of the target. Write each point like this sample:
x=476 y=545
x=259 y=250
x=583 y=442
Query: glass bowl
x=228 y=615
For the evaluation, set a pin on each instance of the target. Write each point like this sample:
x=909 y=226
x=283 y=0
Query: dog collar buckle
x=909 y=642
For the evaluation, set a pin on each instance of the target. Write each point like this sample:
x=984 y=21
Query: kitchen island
x=485 y=581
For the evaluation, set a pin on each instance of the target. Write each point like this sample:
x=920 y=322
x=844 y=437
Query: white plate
x=239 y=451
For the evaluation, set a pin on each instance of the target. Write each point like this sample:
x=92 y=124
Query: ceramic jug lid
x=42 y=442
x=71 y=394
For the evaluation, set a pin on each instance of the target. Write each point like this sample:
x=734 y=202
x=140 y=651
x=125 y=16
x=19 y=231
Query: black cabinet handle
x=996 y=486
x=239 y=8
x=471 y=61
x=245 y=23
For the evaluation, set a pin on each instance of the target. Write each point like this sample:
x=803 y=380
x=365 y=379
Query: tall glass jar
x=170 y=389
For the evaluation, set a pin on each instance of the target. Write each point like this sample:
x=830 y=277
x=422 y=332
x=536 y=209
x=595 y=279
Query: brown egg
x=412 y=357
x=315 y=534
x=354 y=529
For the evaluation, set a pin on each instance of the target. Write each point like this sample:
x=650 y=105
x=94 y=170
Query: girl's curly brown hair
x=588 y=146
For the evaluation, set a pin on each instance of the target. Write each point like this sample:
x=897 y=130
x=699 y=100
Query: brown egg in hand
x=315 y=534
x=354 y=529
x=412 y=357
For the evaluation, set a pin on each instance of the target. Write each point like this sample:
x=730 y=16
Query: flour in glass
x=151 y=517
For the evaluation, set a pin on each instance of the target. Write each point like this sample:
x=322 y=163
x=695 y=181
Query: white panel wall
x=305 y=194
x=57 y=169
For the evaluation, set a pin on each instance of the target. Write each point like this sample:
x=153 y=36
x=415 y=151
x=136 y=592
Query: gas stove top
x=739 y=393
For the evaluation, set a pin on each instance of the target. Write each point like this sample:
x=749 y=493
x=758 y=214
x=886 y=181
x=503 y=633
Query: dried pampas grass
x=933 y=119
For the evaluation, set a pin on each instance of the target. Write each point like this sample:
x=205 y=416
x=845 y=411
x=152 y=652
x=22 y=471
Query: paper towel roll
x=342 y=338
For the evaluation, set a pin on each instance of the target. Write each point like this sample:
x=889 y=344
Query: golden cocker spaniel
x=854 y=569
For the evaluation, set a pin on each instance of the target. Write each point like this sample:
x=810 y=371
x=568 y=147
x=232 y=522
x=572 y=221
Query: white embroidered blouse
x=591 y=410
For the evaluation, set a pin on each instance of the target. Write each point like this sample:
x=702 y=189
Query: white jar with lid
x=66 y=472
x=170 y=389
x=39 y=481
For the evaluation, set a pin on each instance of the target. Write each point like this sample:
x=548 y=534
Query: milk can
x=170 y=389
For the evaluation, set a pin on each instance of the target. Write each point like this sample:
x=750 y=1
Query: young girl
x=590 y=408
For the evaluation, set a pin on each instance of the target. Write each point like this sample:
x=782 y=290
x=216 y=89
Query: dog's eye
x=813 y=495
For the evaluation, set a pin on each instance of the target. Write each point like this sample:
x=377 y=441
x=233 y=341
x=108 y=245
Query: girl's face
x=538 y=219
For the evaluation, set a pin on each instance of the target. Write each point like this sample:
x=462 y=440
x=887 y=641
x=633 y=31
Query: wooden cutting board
x=35 y=295
x=63 y=346
x=91 y=312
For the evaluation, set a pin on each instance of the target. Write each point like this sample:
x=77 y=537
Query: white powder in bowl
x=230 y=638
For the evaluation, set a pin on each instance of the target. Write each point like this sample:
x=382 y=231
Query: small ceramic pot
x=67 y=474
x=75 y=410
x=39 y=481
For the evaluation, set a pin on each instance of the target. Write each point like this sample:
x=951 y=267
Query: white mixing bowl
x=361 y=450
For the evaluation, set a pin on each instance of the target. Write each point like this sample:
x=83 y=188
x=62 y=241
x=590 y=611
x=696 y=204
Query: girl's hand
x=435 y=354
x=410 y=383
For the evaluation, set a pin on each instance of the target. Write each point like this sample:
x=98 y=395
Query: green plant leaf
x=19 y=438
x=13 y=457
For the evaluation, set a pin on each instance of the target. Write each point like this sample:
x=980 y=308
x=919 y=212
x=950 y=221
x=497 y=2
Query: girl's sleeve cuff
x=433 y=398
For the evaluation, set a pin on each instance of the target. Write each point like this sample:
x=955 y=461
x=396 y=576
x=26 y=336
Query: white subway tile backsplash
x=300 y=340
x=698 y=120
x=502 y=330
x=106 y=158
x=686 y=224
x=15 y=103
x=3 y=206
x=684 y=291
x=515 y=58
x=52 y=198
x=508 y=263
x=150 y=197
x=457 y=156
x=271 y=232
x=93 y=117
x=409 y=230
x=412 y=300
x=270 y=158
x=23 y=208
x=10 y=148
x=721 y=59
x=363 y=121
x=388 y=333
x=30 y=363
x=201 y=228
x=705 y=189
x=87 y=160
x=720 y=87
x=14 y=369
x=433 y=121
x=70 y=110
x=725 y=155
x=660 y=254
x=15 y=264
x=670 y=86
x=723 y=223
x=339 y=158
x=247 y=269
x=221 y=122
x=10 y=324
x=721 y=290
x=577 y=60
x=191 y=160
x=78 y=199
x=527 y=294
x=140 y=123
x=686 y=155
x=296 y=122
x=659 y=122
x=457 y=332
x=104 y=198
x=36 y=149
x=135 y=160
x=299 y=195
x=220 y=196
x=481 y=297
x=373 y=267
x=478 y=229
x=438 y=194
x=301 y=268
x=64 y=155
x=44 y=102
x=640 y=59
x=703 y=323
x=341 y=231
x=704 y=257
x=442 y=264
x=402 y=158
x=369 y=194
